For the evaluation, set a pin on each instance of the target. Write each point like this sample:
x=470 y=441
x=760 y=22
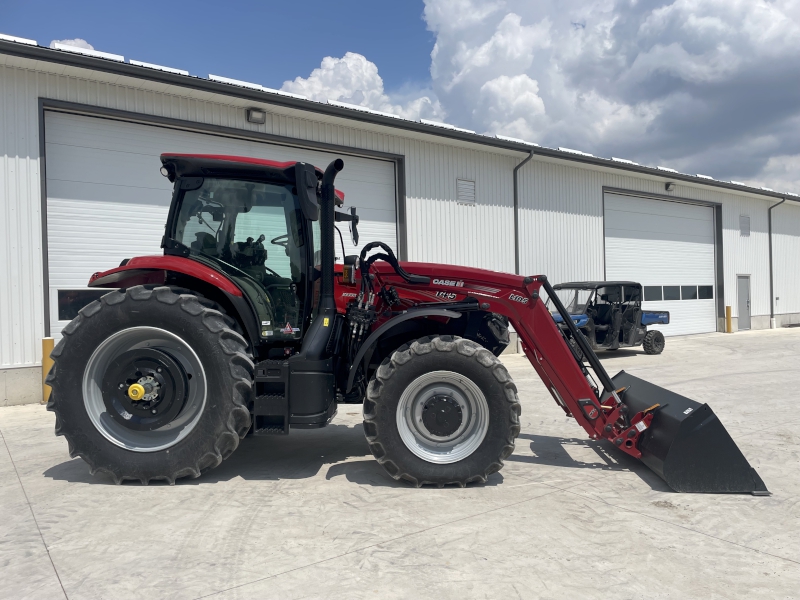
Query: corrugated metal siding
x=21 y=300
x=561 y=221
x=438 y=228
x=561 y=226
x=786 y=258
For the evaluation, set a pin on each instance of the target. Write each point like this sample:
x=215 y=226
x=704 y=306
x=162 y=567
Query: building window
x=652 y=293
x=465 y=192
x=744 y=225
x=705 y=292
x=689 y=292
x=672 y=292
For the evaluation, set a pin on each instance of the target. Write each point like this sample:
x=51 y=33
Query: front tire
x=441 y=411
x=653 y=342
x=180 y=352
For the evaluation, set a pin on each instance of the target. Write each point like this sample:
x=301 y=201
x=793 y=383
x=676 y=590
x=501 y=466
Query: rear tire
x=653 y=342
x=207 y=356
x=442 y=372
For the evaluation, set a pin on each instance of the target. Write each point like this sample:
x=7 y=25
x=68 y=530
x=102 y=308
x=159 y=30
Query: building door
x=668 y=247
x=107 y=201
x=743 y=287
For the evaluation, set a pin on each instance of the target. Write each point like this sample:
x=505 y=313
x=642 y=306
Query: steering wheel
x=281 y=240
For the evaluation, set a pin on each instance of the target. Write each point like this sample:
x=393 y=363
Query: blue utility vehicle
x=609 y=314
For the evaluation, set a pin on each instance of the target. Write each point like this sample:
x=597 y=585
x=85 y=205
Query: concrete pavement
x=314 y=516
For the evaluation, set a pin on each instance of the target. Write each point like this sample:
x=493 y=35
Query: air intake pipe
x=315 y=344
x=326 y=225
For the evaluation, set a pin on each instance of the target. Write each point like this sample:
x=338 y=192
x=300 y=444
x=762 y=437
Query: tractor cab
x=255 y=233
x=257 y=222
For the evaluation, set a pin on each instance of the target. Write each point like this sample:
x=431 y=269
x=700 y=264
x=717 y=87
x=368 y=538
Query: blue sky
x=263 y=42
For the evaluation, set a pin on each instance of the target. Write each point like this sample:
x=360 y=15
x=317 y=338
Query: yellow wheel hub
x=136 y=391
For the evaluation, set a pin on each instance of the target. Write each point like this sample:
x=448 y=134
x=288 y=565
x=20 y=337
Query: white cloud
x=782 y=173
x=707 y=85
x=77 y=42
x=355 y=80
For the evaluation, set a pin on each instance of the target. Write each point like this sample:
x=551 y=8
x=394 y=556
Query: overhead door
x=668 y=247
x=107 y=201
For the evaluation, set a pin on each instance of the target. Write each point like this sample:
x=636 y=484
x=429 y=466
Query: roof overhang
x=40 y=53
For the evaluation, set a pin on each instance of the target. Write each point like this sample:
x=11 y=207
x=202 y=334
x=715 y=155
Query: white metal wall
x=561 y=227
x=438 y=228
x=561 y=216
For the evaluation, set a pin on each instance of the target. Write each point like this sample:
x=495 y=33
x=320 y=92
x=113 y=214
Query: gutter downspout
x=772 y=322
x=516 y=212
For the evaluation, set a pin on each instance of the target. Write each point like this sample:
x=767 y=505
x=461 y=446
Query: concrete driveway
x=313 y=516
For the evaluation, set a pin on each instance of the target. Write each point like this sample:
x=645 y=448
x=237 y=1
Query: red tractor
x=246 y=324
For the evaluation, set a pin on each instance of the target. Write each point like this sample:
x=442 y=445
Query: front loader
x=247 y=325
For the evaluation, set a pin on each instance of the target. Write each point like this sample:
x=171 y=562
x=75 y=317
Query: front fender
x=387 y=326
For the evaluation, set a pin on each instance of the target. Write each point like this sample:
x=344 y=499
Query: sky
x=701 y=86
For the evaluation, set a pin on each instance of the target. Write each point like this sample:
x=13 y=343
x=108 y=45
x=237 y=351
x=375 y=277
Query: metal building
x=81 y=132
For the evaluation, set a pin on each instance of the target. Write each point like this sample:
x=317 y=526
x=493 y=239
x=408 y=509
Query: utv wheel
x=653 y=342
x=149 y=384
x=441 y=411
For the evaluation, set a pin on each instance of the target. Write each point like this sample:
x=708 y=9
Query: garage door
x=107 y=201
x=669 y=248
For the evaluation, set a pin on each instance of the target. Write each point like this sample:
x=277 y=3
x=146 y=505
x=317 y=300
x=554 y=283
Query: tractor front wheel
x=150 y=384
x=441 y=411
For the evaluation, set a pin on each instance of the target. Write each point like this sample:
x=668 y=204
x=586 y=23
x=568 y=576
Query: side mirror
x=305 y=178
x=354 y=225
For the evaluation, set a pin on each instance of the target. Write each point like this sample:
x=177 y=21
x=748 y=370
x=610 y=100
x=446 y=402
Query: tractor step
x=271 y=415
x=271 y=405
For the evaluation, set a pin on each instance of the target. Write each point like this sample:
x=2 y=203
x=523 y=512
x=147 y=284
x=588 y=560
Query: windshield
x=574 y=301
x=253 y=231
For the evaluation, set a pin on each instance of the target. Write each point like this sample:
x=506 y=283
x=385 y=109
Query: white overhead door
x=106 y=199
x=668 y=247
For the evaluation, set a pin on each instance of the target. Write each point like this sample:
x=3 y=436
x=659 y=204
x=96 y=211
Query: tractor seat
x=603 y=314
x=205 y=243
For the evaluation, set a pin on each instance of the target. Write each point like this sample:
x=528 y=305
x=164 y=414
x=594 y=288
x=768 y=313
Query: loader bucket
x=686 y=444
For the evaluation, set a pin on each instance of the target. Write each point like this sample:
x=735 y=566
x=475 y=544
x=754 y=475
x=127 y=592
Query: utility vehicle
x=609 y=314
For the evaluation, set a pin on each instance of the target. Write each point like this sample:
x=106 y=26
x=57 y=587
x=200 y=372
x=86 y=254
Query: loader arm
x=517 y=298
x=681 y=440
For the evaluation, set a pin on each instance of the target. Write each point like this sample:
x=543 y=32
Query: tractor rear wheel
x=150 y=384
x=653 y=342
x=441 y=411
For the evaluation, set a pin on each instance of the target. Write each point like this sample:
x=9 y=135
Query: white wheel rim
x=465 y=439
x=132 y=339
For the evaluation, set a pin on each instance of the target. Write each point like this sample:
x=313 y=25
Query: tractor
x=609 y=314
x=247 y=325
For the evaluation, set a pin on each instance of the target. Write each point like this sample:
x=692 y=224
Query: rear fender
x=177 y=264
x=189 y=274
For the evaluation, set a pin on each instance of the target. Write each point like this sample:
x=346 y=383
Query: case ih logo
x=449 y=282
x=518 y=298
